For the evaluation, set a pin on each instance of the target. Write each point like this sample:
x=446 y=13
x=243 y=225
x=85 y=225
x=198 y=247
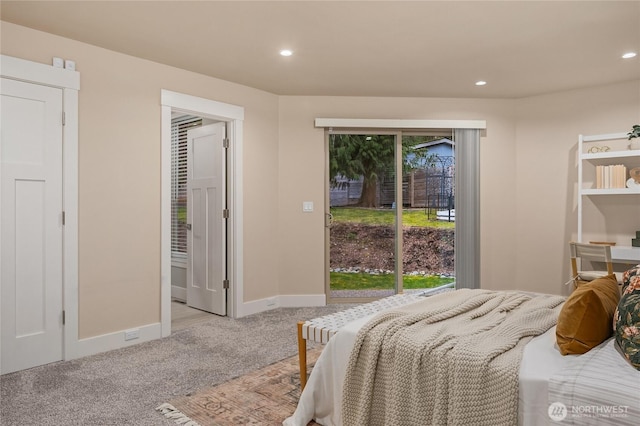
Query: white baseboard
x=302 y=300
x=116 y=340
x=179 y=293
x=282 y=301
x=145 y=333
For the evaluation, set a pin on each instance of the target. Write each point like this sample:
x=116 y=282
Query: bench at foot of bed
x=321 y=329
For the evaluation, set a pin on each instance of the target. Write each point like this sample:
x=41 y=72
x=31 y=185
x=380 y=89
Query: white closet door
x=31 y=224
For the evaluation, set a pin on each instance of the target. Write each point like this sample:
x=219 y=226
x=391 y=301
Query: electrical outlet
x=58 y=62
x=70 y=65
x=134 y=333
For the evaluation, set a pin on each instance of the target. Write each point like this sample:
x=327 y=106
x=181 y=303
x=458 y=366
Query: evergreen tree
x=370 y=157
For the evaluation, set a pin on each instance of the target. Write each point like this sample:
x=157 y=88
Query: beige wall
x=547 y=133
x=527 y=177
x=302 y=178
x=119 y=176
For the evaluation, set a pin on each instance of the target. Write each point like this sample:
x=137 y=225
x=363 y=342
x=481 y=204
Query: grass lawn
x=182 y=214
x=410 y=217
x=362 y=281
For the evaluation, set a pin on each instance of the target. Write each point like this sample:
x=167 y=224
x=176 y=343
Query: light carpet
x=123 y=387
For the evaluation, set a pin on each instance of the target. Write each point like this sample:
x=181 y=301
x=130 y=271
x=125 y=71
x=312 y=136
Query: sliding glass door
x=390 y=213
x=428 y=211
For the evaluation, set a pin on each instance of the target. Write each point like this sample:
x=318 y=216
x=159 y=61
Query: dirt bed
x=371 y=247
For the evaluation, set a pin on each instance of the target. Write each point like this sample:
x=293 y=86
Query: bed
x=599 y=387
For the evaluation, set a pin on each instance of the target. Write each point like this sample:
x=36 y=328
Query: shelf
x=588 y=164
x=611 y=155
x=611 y=191
x=609 y=136
x=625 y=253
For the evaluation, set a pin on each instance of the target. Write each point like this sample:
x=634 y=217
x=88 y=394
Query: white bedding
x=322 y=397
x=598 y=388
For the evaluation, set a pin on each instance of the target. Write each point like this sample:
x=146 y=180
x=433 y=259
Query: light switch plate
x=58 y=62
x=307 y=206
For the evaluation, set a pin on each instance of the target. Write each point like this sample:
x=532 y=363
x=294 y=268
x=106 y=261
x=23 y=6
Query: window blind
x=179 y=145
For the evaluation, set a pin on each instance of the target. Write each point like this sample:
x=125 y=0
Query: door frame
x=233 y=115
x=69 y=81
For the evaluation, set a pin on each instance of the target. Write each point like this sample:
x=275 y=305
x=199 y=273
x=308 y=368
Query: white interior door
x=206 y=240
x=31 y=224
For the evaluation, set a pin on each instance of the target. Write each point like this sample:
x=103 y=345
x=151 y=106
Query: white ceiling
x=364 y=48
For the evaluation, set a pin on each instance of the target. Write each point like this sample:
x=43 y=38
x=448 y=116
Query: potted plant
x=634 y=133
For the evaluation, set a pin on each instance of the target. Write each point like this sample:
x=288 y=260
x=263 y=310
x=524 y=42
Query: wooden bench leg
x=302 y=356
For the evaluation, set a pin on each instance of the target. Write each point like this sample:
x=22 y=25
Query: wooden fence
x=421 y=188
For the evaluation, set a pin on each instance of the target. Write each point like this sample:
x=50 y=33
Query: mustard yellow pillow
x=585 y=319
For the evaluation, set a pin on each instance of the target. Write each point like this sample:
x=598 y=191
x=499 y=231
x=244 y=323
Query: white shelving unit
x=587 y=162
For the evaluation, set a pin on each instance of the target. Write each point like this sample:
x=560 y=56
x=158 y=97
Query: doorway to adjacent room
x=201 y=214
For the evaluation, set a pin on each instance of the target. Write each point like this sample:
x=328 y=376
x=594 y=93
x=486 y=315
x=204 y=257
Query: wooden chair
x=590 y=253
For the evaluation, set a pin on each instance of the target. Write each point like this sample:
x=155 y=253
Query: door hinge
x=63 y=317
x=63 y=218
x=225 y=143
x=225 y=284
x=64 y=118
x=225 y=214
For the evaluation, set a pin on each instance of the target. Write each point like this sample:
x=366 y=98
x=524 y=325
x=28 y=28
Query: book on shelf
x=611 y=177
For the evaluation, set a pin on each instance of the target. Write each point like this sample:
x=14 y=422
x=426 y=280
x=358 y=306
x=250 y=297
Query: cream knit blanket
x=452 y=359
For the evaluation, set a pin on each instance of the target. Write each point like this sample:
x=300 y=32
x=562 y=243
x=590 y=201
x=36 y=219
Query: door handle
x=328 y=220
x=188 y=226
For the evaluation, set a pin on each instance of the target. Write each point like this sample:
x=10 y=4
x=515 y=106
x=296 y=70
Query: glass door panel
x=428 y=217
x=362 y=219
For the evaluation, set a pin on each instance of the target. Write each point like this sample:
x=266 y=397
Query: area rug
x=263 y=397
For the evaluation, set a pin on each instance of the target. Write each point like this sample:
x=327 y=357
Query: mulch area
x=372 y=246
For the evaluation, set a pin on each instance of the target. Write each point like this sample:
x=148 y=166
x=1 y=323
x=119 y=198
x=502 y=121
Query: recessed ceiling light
x=629 y=55
x=480 y=83
x=286 y=52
